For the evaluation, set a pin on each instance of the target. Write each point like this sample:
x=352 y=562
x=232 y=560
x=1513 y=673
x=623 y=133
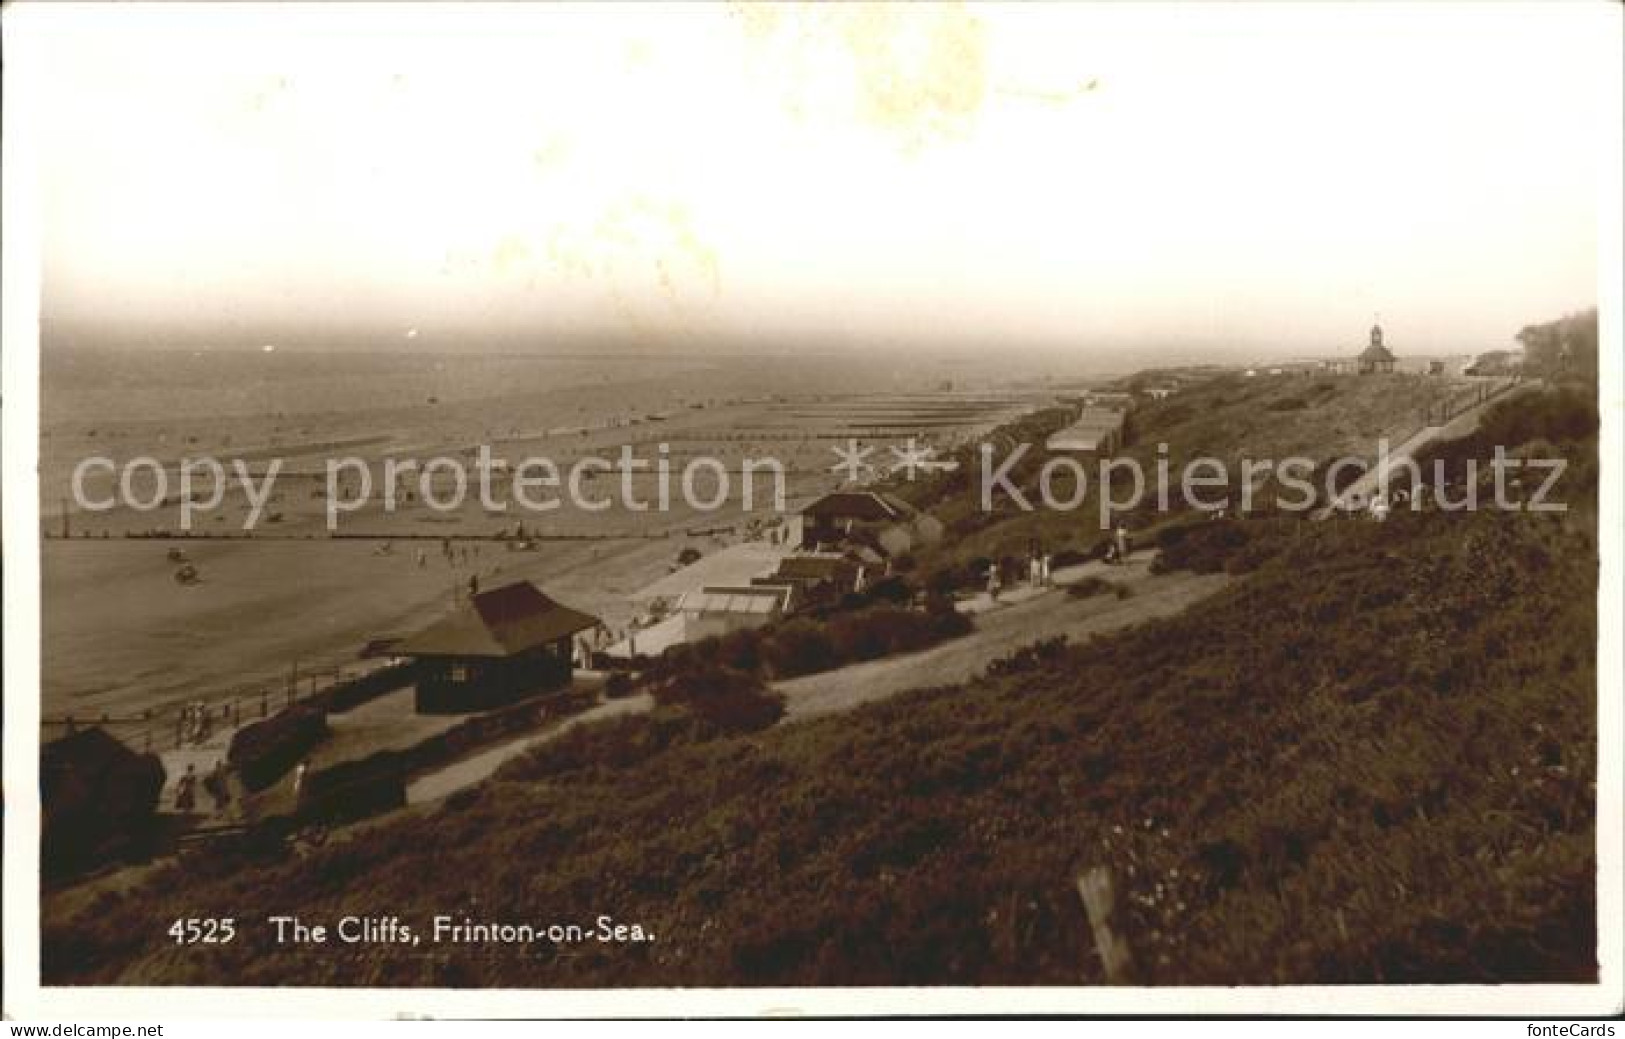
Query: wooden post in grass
x=1099 y=896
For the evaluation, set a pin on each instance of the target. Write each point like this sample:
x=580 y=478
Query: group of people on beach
x=453 y=555
x=196 y=723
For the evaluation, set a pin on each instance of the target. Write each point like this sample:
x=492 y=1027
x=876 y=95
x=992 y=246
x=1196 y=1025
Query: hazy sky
x=1246 y=179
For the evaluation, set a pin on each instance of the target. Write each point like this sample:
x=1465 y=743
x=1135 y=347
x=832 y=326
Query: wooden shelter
x=500 y=646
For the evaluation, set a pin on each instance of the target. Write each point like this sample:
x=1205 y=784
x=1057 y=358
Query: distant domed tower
x=1376 y=358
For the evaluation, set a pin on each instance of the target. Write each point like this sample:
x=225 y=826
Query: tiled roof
x=502 y=622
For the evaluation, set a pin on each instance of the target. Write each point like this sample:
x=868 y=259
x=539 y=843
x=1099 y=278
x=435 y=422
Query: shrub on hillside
x=1547 y=424
x=1335 y=475
x=797 y=647
x=1033 y=657
x=613 y=743
x=1562 y=414
x=894 y=589
x=264 y=751
x=739 y=651
x=861 y=636
x=818 y=640
x=687 y=656
x=352 y=790
x=1215 y=546
x=1173 y=414
x=880 y=631
x=726 y=701
x=947 y=579
x=803 y=646
x=946 y=622
x=692 y=707
x=1090 y=587
x=1201 y=547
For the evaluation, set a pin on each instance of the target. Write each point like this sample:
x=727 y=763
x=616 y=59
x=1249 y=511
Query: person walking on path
x=217 y=785
x=186 y=790
x=299 y=780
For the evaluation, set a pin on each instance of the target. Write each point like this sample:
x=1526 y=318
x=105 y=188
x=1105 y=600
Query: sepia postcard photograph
x=741 y=509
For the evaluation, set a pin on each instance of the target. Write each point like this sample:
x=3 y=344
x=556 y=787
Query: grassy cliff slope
x=1371 y=758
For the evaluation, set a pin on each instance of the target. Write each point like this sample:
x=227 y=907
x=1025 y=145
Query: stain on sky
x=1050 y=97
x=265 y=94
x=643 y=254
x=918 y=72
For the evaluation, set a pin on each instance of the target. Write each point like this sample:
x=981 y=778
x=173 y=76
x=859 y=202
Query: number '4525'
x=208 y=930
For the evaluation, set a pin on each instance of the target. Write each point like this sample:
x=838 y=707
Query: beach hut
x=1115 y=400
x=853 y=520
x=718 y=610
x=1097 y=431
x=815 y=577
x=835 y=516
x=497 y=648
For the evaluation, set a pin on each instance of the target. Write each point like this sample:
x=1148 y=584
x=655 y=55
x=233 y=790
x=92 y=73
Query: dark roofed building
x=97 y=799
x=814 y=568
x=1376 y=358
x=849 y=520
x=852 y=506
x=816 y=578
x=497 y=648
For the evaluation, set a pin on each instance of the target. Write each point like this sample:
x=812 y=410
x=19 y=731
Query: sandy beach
x=287 y=598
